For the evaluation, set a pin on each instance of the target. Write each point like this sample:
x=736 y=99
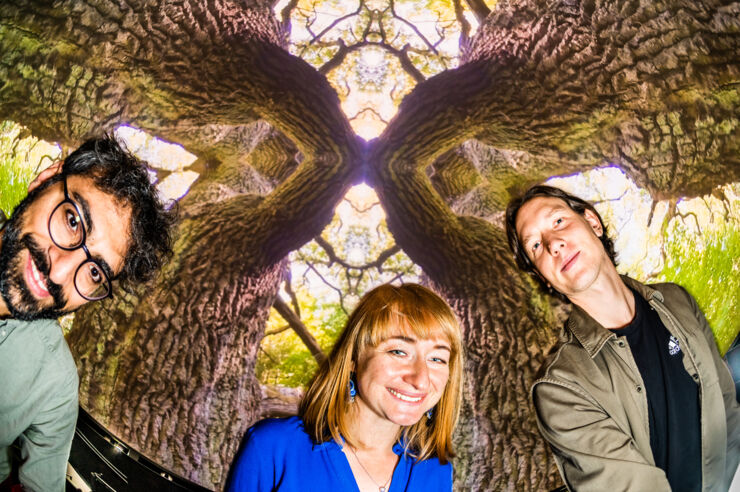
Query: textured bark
x=546 y=88
x=507 y=328
x=650 y=87
x=170 y=367
x=278 y=401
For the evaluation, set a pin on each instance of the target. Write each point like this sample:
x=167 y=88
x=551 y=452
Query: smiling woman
x=380 y=412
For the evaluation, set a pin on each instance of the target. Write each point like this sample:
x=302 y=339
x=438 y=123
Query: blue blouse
x=278 y=454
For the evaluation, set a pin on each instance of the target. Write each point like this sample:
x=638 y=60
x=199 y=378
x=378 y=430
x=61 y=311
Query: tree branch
x=379 y=117
x=413 y=28
x=278 y=401
x=277 y=330
x=289 y=290
x=300 y=329
x=337 y=21
x=406 y=63
x=285 y=19
x=464 y=28
x=334 y=258
x=479 y=9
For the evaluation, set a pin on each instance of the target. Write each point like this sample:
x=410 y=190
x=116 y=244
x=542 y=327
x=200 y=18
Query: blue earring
x=430 y=413
x=352 y=389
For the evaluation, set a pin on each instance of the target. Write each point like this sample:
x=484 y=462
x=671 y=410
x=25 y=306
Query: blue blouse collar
x=399 y=448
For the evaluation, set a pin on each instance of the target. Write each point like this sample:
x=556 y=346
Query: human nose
x=418 y=374
x=63 y=265
x=554 y=244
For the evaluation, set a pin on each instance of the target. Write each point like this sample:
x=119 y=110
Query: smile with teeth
x=401 y=396
x=39 y=282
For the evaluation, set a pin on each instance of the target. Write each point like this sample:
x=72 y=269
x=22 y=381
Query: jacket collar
x=589 y=333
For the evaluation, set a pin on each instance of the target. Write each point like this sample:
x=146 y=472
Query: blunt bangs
x=420 y=317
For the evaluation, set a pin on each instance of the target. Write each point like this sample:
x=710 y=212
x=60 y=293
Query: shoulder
x=44 y=336
x=279 y=434
x=681 y=304
x=672 y=292
x=273 y=451
x=430 y=474
x=569 y=376
x=669 y=292
x=569 y=362
x=36 y=353
x=60 y=365
x=434 y=466
x=278 y=428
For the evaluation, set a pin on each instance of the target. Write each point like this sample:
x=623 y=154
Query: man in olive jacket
x=636 y=397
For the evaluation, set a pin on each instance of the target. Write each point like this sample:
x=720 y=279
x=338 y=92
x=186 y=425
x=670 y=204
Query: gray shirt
x=38 y=401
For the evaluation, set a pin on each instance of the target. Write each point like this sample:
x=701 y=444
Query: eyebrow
x=553 y=209
x=105 y=266
x=413 y=340
x=85 y=211
x=89 y=224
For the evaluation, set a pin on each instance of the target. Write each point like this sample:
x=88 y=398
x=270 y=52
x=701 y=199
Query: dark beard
x=18 y=298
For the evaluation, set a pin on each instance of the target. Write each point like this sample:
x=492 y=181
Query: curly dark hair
x=520 y=255
x=118 y=172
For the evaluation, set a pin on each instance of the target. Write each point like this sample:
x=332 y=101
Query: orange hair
x=381 y=312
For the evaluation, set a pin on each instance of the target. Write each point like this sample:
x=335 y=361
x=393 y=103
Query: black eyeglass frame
x=82 y=245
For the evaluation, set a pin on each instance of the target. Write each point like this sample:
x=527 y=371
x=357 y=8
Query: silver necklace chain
x=381 y=488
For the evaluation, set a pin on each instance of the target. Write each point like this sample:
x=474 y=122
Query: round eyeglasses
x=67 y=231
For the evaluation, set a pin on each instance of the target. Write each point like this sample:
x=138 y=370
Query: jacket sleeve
x=591 y=451
x=727 y=385
x=46 y=443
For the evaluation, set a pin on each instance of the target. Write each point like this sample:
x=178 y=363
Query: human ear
x=46 y=174
x=594 y=222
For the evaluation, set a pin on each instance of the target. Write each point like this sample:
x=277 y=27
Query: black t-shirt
x=672 y=395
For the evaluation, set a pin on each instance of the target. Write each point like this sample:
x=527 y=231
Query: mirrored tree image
x=340 y=144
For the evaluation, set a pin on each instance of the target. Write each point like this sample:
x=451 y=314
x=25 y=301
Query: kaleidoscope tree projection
x=486 y=100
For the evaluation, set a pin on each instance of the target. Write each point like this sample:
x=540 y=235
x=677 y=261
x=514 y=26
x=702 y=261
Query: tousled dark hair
x=119 y=173
x=575 y=203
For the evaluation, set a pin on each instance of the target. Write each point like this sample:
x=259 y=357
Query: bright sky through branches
x=358 y=236
x=163 y=155
x=378 y=50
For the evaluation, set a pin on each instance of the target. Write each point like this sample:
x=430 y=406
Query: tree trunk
x=546 y=88
x=506 y=329
x=170 y=367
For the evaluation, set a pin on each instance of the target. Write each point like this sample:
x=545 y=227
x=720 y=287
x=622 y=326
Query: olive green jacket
x=592 y=408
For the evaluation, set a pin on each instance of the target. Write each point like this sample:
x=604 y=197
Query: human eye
x=397 y=352
x=535 y=245
x=559 y=221
x=95 y=275
x=438 y=360
x=72 y=220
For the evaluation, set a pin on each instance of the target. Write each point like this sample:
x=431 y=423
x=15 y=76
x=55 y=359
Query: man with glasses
x=91 y=220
